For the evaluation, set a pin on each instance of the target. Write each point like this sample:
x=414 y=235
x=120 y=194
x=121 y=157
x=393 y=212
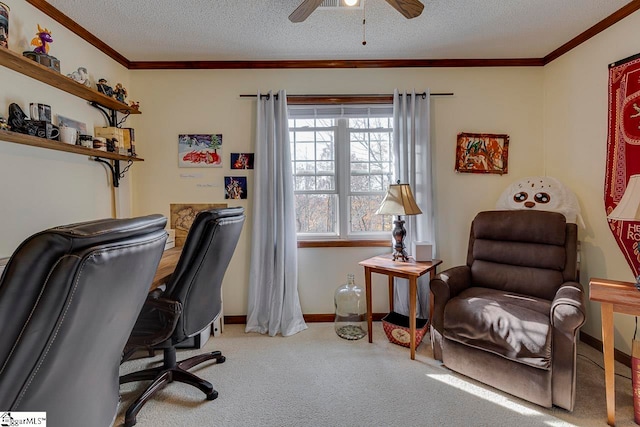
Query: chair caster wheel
x=221 y=359
x=213 y=395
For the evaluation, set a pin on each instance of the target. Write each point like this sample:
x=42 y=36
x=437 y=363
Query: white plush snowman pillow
x=542 y=193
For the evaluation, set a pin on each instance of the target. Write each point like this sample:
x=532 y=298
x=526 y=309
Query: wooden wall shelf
x=46 y=75
x=20 y=138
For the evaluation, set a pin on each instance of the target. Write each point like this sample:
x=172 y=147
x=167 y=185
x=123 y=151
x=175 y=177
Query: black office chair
x=69 y=297
x=192 y=300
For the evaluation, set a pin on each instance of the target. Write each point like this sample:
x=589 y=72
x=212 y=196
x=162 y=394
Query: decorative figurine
x=4 y=25
x=3 y=123
x=81 y=76
x=43 y=36
x=120 y=93
x=103 y=87
x=135 y=105
x=41 y=53
x=17 y=118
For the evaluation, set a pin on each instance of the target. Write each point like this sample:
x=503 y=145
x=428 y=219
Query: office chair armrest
x=155 y=324
x=567 y=308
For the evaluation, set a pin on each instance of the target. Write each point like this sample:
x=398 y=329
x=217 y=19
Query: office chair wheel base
x=213 y=395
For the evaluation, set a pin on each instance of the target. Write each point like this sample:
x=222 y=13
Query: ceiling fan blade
x=409 y=8
x=305 y=9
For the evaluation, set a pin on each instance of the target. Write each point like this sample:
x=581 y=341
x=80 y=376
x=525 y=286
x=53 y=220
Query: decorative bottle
x=351 y=310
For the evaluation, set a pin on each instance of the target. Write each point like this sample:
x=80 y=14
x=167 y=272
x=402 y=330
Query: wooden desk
x=166 y=267
x=383 y=264
x=614 y=296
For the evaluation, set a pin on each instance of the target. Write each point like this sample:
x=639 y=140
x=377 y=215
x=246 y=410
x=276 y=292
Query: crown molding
x=607 y=22
x=81 y=32
x=367 y=63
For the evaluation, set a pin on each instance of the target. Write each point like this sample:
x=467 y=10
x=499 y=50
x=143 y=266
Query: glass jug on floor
x=351 y=310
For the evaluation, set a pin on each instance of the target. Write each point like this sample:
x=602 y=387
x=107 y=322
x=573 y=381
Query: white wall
x=494 y=100
x=43 y=188
x=563 y=104
x=575 y=134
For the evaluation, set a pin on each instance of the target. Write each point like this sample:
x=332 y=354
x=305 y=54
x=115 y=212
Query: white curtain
x=412 y=162
x=273 y=303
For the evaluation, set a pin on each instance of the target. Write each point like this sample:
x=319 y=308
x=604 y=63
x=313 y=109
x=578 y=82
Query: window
x=342 y=164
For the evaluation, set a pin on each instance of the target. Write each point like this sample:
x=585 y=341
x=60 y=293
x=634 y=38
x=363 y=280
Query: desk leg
x=413 y=289
x=367 y=284
x=609 y=366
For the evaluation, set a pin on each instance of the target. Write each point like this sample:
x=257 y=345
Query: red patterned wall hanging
x=622 y=180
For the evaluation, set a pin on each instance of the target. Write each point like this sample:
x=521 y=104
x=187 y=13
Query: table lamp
x=628 y=208
x=399 y=201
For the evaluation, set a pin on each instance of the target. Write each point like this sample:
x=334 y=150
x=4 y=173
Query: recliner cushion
x=511 y=325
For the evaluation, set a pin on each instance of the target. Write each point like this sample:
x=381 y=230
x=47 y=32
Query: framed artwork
x=482 y=153
x=182 y=215
x=241 y=160
x=235 y=187
x=200 y=151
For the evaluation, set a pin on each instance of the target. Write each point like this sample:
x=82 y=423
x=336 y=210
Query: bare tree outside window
x=342 y=168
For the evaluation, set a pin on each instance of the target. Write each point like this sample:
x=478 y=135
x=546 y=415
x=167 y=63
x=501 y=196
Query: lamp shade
x=628 y=209
x=399 y=201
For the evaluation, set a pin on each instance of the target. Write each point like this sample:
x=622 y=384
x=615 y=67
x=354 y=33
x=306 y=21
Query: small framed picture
x=235 y=187
x=482 y=153
x=241 y=160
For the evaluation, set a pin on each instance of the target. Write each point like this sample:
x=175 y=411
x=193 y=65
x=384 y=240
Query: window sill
x=343 y=243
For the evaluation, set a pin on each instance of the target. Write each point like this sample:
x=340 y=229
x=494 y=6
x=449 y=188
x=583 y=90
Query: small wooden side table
x=614 y=296
x=411 y=270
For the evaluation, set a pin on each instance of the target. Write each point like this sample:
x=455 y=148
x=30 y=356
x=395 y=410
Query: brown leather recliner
x=510 y=317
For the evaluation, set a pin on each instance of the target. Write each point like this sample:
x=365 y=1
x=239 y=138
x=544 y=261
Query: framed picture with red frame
x=482 y=153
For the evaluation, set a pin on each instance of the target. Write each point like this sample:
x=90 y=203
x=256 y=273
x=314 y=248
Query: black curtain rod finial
x=267 y=96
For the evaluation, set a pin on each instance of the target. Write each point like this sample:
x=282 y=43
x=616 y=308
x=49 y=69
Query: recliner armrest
x=568 y=308
x=451 y=282
x=445 y=286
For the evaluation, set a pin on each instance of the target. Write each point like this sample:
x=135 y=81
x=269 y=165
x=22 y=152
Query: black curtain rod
x=423 y=94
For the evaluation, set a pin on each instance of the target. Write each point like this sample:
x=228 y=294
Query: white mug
x=68 y=135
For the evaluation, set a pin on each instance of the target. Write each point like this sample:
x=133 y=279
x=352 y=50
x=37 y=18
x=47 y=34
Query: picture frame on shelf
x=66 y=121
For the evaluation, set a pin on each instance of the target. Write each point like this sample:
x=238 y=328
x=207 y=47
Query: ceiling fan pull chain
x=364 y=23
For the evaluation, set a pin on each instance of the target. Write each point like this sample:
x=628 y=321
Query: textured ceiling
x=239 y=30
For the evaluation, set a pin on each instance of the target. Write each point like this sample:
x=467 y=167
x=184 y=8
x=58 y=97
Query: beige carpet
x=315 y=378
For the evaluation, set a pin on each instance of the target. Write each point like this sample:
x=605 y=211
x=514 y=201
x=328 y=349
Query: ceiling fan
x=408 y=8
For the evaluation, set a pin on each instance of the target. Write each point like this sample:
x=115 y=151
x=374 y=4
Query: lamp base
x=400 y=256
x=399 y=253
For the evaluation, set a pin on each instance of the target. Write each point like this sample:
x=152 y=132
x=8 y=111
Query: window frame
x=342 y=172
